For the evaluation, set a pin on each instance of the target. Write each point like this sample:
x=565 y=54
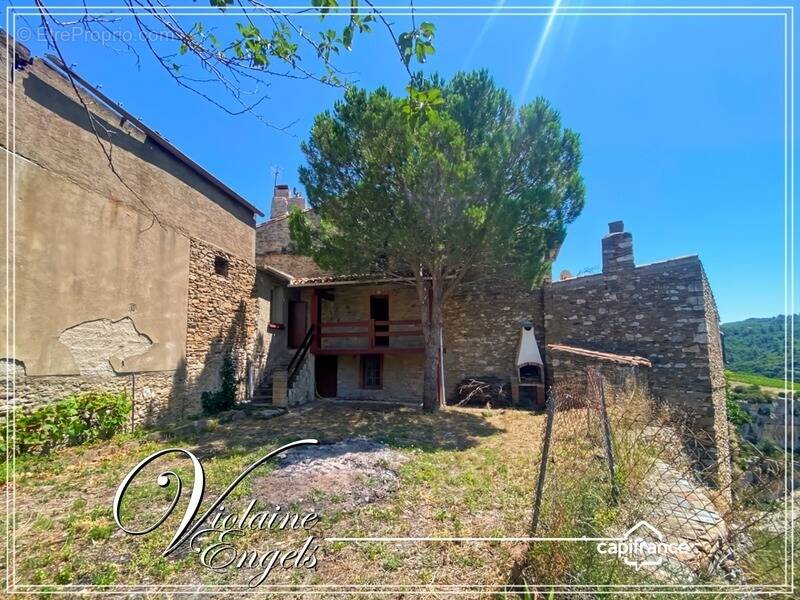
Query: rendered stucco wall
x=80 y=258
x=115 y=281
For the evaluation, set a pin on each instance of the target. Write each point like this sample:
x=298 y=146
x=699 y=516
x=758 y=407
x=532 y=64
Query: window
x=372 y=371
x=276 y=306
x=221 y=265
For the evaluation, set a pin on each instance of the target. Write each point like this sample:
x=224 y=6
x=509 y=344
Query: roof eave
x=54 y=63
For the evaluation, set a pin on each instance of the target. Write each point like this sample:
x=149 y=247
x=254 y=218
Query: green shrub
x=736 y=414
x=750 y=393
x=75 y=420
x=225 y=398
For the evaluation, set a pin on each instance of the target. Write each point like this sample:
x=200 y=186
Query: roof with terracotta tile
x=617 y=358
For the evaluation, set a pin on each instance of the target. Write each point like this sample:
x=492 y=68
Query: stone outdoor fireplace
x=527 y=385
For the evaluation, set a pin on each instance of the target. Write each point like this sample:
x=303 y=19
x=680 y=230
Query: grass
x=760 y=380
x=468 y=473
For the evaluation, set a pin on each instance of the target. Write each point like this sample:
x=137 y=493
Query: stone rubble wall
x=352 y=303
x=655 y=311
x=402 y=379
x=665 y=313
x=303 y=387
x=273 y=236
x=222 y=319
x=482 y=329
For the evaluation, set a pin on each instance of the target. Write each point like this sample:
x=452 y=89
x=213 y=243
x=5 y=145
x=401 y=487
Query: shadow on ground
x=448 y=429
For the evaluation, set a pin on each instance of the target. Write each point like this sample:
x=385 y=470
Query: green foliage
x=75 y=420
x=760 y=380
x=225 y=398
x=736 y=414
x=278 y=47
x=757 y=346
x=750 y=393
x=450 y=179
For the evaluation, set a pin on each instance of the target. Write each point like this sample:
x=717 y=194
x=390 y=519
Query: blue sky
x=681 y=121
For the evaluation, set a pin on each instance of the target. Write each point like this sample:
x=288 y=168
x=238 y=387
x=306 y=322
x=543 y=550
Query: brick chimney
x=282 y=201
x=617 y=249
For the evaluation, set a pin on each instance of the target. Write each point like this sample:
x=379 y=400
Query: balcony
x=369 y=337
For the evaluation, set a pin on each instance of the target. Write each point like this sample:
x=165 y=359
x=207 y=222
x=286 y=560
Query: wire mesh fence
x=638 y=482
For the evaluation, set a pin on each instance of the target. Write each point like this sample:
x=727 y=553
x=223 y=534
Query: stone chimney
x=282 y=201
x=617 y=249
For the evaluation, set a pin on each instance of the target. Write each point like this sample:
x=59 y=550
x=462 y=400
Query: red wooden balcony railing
x=365 y=337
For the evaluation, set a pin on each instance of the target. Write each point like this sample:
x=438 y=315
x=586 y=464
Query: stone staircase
x=287 y=370
x=263 y=393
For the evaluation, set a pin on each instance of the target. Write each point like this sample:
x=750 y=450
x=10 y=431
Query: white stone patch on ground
x=682 y=511
x=94 y=343
x=332 y=477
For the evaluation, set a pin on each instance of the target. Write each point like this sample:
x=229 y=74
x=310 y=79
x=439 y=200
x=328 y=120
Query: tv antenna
x=276 y=171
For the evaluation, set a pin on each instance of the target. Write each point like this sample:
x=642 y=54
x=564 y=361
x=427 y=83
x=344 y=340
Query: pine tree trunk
x=432 y=328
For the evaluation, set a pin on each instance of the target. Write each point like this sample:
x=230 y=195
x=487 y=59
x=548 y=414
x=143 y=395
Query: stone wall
x=663 y=312
x=482 y=329
x=402 y=379
x=655 y=311
x=303 y=387
x=222 y=318
x=352 y=303
x=156 y=396
x=273 y=236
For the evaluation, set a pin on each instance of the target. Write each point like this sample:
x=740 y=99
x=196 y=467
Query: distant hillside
x=756 y=346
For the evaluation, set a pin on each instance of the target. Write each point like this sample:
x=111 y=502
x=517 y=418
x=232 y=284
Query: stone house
x=657 y=321
x=144 y=277
x=138 y=278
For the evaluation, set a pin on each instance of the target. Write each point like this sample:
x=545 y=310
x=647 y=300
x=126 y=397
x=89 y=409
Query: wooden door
x=297 y=323
x=379 y=311
x=326 y=371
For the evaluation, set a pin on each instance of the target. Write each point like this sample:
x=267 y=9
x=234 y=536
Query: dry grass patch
x=464 y=473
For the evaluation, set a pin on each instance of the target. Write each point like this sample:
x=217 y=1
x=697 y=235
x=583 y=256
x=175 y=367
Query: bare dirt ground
x=355 y=472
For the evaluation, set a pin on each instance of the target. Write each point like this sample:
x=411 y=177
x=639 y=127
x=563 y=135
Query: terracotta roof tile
x=618 y=358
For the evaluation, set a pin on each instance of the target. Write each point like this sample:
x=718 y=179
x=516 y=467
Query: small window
x=221 y=265
x=372 y=372
x=276 y=306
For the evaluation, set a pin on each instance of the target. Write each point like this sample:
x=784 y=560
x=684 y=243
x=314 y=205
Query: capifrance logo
x=643 y=546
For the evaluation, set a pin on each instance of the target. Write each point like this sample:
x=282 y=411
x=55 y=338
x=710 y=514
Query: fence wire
x=612 y=458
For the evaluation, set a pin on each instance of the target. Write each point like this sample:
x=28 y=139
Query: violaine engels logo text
x=215 y=534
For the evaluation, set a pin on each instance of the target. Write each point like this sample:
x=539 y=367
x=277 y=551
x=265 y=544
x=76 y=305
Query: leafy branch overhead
x=229 y=62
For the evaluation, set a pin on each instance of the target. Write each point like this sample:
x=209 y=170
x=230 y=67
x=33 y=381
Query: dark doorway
x=325 y=372
x=379 y=311
x=297 y=324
